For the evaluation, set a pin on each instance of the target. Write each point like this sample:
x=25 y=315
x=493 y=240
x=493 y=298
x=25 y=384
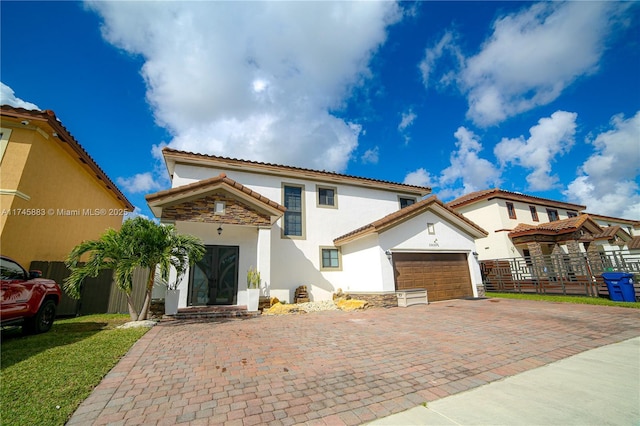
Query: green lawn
x=566 y=299
x=45 y=377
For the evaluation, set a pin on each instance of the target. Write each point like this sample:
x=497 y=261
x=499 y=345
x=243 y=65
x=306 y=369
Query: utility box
x=416 y=296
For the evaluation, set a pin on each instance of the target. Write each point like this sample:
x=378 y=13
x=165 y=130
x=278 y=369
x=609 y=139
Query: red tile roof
x=557 y=227
x=233 y=163
x=402 y=215
x=49 y=117
x=489 y=194
x=634 y=244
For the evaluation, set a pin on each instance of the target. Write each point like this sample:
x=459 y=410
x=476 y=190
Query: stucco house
x=53 y=195
x=323 y=230
x=521 y=224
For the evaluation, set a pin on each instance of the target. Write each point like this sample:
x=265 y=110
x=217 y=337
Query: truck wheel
x=43 y=320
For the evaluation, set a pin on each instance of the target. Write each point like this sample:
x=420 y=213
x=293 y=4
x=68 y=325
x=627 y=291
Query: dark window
x=293 y=215
x=534 y=213
x=11 y=271
x=511 y=210
x=406 y=202
x=326 y=197
x=572 y=214
x=330 y=258
x=553 y=215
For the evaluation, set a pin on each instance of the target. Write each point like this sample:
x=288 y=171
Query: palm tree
x=139 y=243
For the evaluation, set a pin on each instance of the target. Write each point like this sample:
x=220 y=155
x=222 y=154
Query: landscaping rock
x=351 y=305
x=137 y=324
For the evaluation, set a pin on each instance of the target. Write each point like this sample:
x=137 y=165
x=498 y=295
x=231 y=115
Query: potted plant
x=253 y=289
x=172 y=296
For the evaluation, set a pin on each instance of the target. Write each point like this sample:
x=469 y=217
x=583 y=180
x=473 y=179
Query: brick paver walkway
x=340 y=368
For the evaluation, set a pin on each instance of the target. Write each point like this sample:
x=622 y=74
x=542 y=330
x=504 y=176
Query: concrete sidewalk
x=597 y=387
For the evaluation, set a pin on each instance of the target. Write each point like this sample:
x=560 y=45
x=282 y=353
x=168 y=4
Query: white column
x=264 y=258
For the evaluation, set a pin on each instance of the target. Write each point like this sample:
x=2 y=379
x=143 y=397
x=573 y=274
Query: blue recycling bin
x=620 y=286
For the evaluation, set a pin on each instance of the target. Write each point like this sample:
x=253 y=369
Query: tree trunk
x=132 y=310
x=144 y=312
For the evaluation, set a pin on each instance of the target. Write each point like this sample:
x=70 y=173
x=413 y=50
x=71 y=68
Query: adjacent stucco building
x=53 y=195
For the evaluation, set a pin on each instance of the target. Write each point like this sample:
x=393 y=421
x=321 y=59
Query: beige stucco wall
x=66 y=203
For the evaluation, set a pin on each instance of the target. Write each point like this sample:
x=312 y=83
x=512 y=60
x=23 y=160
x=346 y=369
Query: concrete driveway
x=341 y=368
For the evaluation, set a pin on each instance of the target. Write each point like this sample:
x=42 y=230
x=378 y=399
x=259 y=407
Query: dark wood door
x=444 y=275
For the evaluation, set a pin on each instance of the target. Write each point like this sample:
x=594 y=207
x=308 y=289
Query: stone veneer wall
x=377 y=300
x=203 y=210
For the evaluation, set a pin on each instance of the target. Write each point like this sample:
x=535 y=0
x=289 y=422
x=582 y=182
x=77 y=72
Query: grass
x=44 y=377
x=584 y=300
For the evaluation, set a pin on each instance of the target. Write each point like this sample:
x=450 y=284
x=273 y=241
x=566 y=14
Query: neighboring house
x=53 y=195
x=319 y=229
x=619 y=234
x=519 y=223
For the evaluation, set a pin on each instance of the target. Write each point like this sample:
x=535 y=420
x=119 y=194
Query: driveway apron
x=340 y=368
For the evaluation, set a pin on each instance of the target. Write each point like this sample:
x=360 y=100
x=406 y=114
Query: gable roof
x=404 y=214
x=489 y=194
x=633 y=223
x=173 y=156
x=58 y=131
x=611 y=232
x=557 y=227
x=174 y=195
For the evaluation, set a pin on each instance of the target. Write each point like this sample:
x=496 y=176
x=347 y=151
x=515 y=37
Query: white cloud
x=530 y=58
x=608 y=180
x=474 y=172
x=448 y=44
x=371 y=156
x=406 y=121
x=254 y=80
x=419 y=177
x=141 y=182
x=551 y=137
x=8 y=97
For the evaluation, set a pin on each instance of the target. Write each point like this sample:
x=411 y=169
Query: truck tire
x=43 y=320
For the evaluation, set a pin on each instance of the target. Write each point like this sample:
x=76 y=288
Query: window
x=553 y=215
x=572 y=214
x=219 y=207
x=511 y=210
x=293 y=217
x=327 y=196
x=330 y=259
x=431 y=229
x=406 y=202
x=11 y=271
x=534 y=213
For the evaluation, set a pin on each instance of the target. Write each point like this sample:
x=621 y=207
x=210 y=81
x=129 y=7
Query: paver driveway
x=338 y=367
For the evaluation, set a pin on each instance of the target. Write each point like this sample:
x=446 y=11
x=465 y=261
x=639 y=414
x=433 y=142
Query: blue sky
x=540 y=98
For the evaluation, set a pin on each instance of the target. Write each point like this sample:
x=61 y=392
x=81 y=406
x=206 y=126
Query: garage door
x=444 y=275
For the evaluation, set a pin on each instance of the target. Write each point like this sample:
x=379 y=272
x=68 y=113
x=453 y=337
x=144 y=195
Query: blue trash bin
x=620 y=286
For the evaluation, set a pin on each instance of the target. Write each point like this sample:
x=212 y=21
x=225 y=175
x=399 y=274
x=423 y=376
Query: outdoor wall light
x=219 y=230
x=389 y=254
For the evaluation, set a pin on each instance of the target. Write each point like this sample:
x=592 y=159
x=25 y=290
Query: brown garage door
x=444 y=275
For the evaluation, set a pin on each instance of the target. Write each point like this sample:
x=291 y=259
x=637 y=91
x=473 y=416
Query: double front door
x=214 y=279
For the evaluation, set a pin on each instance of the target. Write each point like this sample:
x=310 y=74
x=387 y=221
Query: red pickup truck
x=26 y=298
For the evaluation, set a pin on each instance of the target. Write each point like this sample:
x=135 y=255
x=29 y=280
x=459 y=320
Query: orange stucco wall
x=66 y=203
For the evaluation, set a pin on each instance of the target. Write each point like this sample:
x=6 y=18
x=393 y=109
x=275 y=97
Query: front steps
x=214 y=312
